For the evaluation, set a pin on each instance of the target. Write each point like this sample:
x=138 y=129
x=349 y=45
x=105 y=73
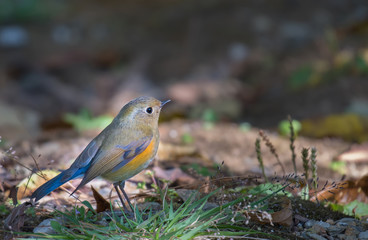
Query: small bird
x=123 y=149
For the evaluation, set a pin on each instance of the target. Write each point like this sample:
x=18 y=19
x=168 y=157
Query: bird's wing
x=80 y=165
x=106 y=161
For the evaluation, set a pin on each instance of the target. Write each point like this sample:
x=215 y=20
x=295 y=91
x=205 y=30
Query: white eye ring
x=149 y=110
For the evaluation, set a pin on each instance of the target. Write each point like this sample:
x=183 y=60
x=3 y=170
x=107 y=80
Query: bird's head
x=141 y=112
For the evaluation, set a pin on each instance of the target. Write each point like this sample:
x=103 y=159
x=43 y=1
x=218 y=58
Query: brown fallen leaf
x=283 y=217
x=344 y=192
x=101 y=203
x=15 y=221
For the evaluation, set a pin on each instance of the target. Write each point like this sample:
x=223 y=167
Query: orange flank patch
x=142 y=158
x=135 y=165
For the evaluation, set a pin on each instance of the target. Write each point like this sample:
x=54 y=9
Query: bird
x=123 y=149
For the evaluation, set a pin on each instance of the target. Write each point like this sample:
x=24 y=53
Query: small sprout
x=4 y=210
x=187 y=138
x=284 y=127
x=142 y=185
x=149 y=173
x=245 y=126
x=338 y=166
x=305 y=159
x=209 y=118
x=314 y=167
x=83 y=121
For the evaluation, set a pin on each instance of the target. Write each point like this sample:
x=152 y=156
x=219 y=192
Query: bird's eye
x=149 y=110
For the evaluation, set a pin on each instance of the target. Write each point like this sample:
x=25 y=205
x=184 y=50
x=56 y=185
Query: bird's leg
x=121 y=199
x=121 y=186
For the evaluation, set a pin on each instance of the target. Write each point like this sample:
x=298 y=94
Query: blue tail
x=56 y=182
x=48 y=187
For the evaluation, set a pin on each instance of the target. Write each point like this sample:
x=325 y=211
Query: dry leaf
x=283 y=217
x=101 y=203
x=345 y=192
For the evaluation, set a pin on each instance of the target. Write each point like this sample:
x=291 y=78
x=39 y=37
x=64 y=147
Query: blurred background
x=248 y=62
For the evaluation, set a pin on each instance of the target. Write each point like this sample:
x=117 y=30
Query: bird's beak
x=163 y=103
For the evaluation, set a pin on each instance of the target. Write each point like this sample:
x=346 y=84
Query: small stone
x=153 y=206
x=45 y=227
x=329 y=237
x=116 y=213
x=350 y=238
x=363 y=235
x=335 y=230
x=330 y=221
x=351 y=231
x=315 y=236
x=346 y=222
x=304 y=235
x=323 y=224
x=341 y=237
x=209 y=205
x=185 y=194
x=318 y=229
x=300 y=227
x=344 y=237
x=103 y=222
x=309 y=223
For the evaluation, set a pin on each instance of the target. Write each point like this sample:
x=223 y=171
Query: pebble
x=330 y=221
x=343 y=229
x=323 y=224
x=363 y=235
x=151 y=206
x=309 y=223
x=315 y=236
x=346 y=221
x=45 y=226
x=344 y=237
x=351 y=231
x=318 y=229
x=335 y=230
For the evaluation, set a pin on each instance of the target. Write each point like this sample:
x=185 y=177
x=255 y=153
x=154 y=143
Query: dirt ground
x=226 y=65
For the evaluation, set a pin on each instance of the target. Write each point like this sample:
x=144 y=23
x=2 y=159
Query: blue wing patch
x=136 y=148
